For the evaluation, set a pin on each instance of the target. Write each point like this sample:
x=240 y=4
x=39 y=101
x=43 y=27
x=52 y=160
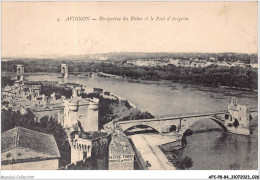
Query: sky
x=32 y=28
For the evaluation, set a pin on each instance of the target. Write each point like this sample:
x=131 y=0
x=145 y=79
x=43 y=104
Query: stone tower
x=85 y=145
x=19 y=72
x=81 y=110
x=64 y=70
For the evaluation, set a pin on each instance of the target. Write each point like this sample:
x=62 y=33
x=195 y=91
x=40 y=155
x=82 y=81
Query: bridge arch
x=141 y=126
x=173 y=128
x=219 y=122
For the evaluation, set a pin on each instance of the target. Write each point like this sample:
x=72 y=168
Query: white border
x=94 y=174
x=121 y=174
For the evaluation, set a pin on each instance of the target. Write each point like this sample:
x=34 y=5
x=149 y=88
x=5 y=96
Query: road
x=147 y=151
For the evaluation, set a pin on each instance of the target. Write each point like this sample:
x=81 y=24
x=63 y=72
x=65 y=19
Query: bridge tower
x=64 y=70
x=19 y=72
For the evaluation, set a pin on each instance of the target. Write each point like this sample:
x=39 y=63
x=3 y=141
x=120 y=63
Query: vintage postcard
x=129 y=86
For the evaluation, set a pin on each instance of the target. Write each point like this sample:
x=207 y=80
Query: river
x=211 y=150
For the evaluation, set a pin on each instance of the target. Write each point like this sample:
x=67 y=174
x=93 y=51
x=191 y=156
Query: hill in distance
x=122 y=56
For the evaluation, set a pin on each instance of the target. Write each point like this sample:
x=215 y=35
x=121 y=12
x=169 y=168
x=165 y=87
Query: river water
x=211 y=150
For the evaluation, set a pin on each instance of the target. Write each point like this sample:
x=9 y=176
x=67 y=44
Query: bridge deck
x=179 y=116
x=171 y=118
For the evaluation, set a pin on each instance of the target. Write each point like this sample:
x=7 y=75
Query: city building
x=185 y=63
x=56 y=113
x=191 y=62
x=34 y=89
x=175 y=62
x=25 y=149
x=121 y=153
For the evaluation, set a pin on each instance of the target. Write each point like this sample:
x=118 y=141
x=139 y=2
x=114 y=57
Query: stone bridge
x=174 y=123
x=181 y=122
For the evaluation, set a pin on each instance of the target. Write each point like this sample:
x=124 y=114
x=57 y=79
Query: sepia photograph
x=129 y=86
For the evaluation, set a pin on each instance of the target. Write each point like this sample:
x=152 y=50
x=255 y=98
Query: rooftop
x=120 y=145
x=79 y=100
x=21 y=144
x=89 y=135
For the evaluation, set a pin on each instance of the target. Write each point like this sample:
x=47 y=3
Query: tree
x=6 y=81
x=184 y=163
x=11 y=119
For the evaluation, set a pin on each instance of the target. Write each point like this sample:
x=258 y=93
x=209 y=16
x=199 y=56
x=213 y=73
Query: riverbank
x=228 y=90
x=239 y=77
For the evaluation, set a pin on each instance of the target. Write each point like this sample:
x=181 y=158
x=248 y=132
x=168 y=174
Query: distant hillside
x=122 y=56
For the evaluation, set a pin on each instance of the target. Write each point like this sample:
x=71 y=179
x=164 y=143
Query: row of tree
x=48 y=89
x=212 y=76
x=238 y=77
x=181 y=163
x=11 y=119
x=6 y=80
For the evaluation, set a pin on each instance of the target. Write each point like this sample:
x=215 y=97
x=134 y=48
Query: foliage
x=111 y=109
x=179 y=162
x=11 y=119
x=242 y=78
x=237 y=77
x=184 y=163
x=47 y=90
x=6 y=81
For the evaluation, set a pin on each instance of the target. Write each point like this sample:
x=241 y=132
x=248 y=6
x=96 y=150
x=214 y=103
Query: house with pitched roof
x=25 y=149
